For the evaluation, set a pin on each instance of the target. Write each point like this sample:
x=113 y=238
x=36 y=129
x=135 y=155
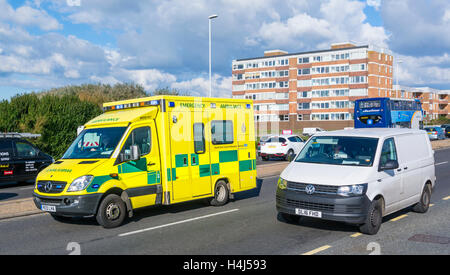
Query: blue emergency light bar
x=132 y=105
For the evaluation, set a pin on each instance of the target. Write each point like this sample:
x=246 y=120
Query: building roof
x=304 y=53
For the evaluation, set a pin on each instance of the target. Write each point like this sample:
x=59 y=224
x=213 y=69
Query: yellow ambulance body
x=152 y=151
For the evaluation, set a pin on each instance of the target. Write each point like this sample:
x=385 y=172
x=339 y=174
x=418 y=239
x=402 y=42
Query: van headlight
x=352 y=190
x=80 y=183
x=282 y=183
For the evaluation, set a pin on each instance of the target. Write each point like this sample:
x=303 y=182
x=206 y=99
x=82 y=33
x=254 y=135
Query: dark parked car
x=19 y=159
x=447 y=131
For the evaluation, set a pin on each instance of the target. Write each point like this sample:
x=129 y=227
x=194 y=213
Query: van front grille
x=53 y=187
x=319 y=189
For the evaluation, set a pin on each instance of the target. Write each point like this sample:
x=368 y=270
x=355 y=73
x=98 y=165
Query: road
x=247 y=225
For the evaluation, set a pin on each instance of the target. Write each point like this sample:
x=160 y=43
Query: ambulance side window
x=199 y=138
x=140 y=137
x=222 y=132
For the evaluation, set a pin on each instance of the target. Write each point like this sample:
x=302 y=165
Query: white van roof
x=372 y=132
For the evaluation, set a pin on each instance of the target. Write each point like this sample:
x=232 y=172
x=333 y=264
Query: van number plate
x=308 y=213
x=48 y=208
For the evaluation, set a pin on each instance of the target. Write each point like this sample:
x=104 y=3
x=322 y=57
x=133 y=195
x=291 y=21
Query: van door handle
x=399 y=170
x=406 y=168
x=151 y=164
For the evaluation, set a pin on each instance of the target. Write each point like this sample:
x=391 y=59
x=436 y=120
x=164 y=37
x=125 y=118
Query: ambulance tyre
x=221 y=194
x=111 y=212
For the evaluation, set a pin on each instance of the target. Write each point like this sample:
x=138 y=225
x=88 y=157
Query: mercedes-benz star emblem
x=48 y=187
x=310 y=189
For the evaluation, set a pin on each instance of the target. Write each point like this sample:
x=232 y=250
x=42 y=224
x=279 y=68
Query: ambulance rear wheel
x=111 y=212
x=221 y=194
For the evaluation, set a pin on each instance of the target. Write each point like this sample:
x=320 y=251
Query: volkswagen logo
x=310 y=189
x=48 y=187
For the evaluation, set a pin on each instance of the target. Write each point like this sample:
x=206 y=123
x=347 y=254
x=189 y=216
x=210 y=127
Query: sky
x=164 y=43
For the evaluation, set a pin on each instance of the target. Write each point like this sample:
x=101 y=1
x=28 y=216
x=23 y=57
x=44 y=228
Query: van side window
x=199 y=138
x=388 y=152
x=6 y=151
x=222 y=132
x=140 y=137
x=25 y=150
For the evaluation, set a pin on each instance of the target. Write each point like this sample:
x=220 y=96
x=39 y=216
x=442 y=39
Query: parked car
x=19 y=159
x=283 y=146
x=260 y=142
x=312 y=131
x=447 y=131
x=443 y=126
x=435 y=133
x=358 y=177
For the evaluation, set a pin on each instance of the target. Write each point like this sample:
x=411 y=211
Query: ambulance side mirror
x=135 y=153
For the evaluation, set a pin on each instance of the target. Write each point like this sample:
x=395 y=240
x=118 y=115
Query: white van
x=358 y=176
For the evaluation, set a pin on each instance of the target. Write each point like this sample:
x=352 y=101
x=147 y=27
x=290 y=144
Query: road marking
x=175 y=223
x=431 y=205
x=399 y=217
x=355 y=235
x=441 y=163
x=317 y=250
x=446 y=198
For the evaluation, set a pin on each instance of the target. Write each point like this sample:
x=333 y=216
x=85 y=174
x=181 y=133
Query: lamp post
x=210 y=74
x=396 y=72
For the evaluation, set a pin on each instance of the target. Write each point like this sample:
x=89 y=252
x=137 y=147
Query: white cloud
x=374 y=3
x=28 y=16
x=221 y=86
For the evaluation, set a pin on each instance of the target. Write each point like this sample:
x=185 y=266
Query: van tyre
x=221 y=194
x=374 y=218
x=424 y=203
x=111 y=212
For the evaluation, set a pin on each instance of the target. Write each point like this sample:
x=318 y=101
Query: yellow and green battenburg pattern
x=210 y=169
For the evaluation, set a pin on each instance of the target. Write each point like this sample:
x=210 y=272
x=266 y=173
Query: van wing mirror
x=389 y=165
x=135 y=153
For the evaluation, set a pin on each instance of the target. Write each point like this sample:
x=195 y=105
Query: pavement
x=248 y=225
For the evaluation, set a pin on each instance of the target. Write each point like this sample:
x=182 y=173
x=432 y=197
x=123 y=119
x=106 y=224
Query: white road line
x=441 y=163
x=175 y=223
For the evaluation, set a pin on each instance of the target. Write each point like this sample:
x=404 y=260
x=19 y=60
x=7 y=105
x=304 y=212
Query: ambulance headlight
x=80 y=183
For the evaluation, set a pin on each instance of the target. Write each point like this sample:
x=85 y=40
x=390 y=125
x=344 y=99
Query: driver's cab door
x=142 y=175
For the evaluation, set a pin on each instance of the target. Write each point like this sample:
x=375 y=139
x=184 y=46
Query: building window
x=299 y=117
x=304 y=106
x=284 y=117
x=303 y=60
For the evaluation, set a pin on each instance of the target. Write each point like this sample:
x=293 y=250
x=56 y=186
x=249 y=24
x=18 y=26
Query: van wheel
x=290 y=218
x=424 y=203
x=373 y=219
x=111 y=212
x=221 y=194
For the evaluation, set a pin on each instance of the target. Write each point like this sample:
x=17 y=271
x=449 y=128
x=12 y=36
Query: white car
x=358 y=177
x=312 y=131
x=282 y=146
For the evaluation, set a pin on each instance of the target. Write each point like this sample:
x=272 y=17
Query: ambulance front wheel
x=221 y=194
x=111 y=212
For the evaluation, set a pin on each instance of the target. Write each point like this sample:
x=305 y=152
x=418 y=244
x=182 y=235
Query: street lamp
x=210 y=76
x=396 y=72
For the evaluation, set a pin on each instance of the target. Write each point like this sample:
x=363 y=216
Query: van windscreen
x=335 y=150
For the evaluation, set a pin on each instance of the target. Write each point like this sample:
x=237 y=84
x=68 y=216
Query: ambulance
x=158 y=150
